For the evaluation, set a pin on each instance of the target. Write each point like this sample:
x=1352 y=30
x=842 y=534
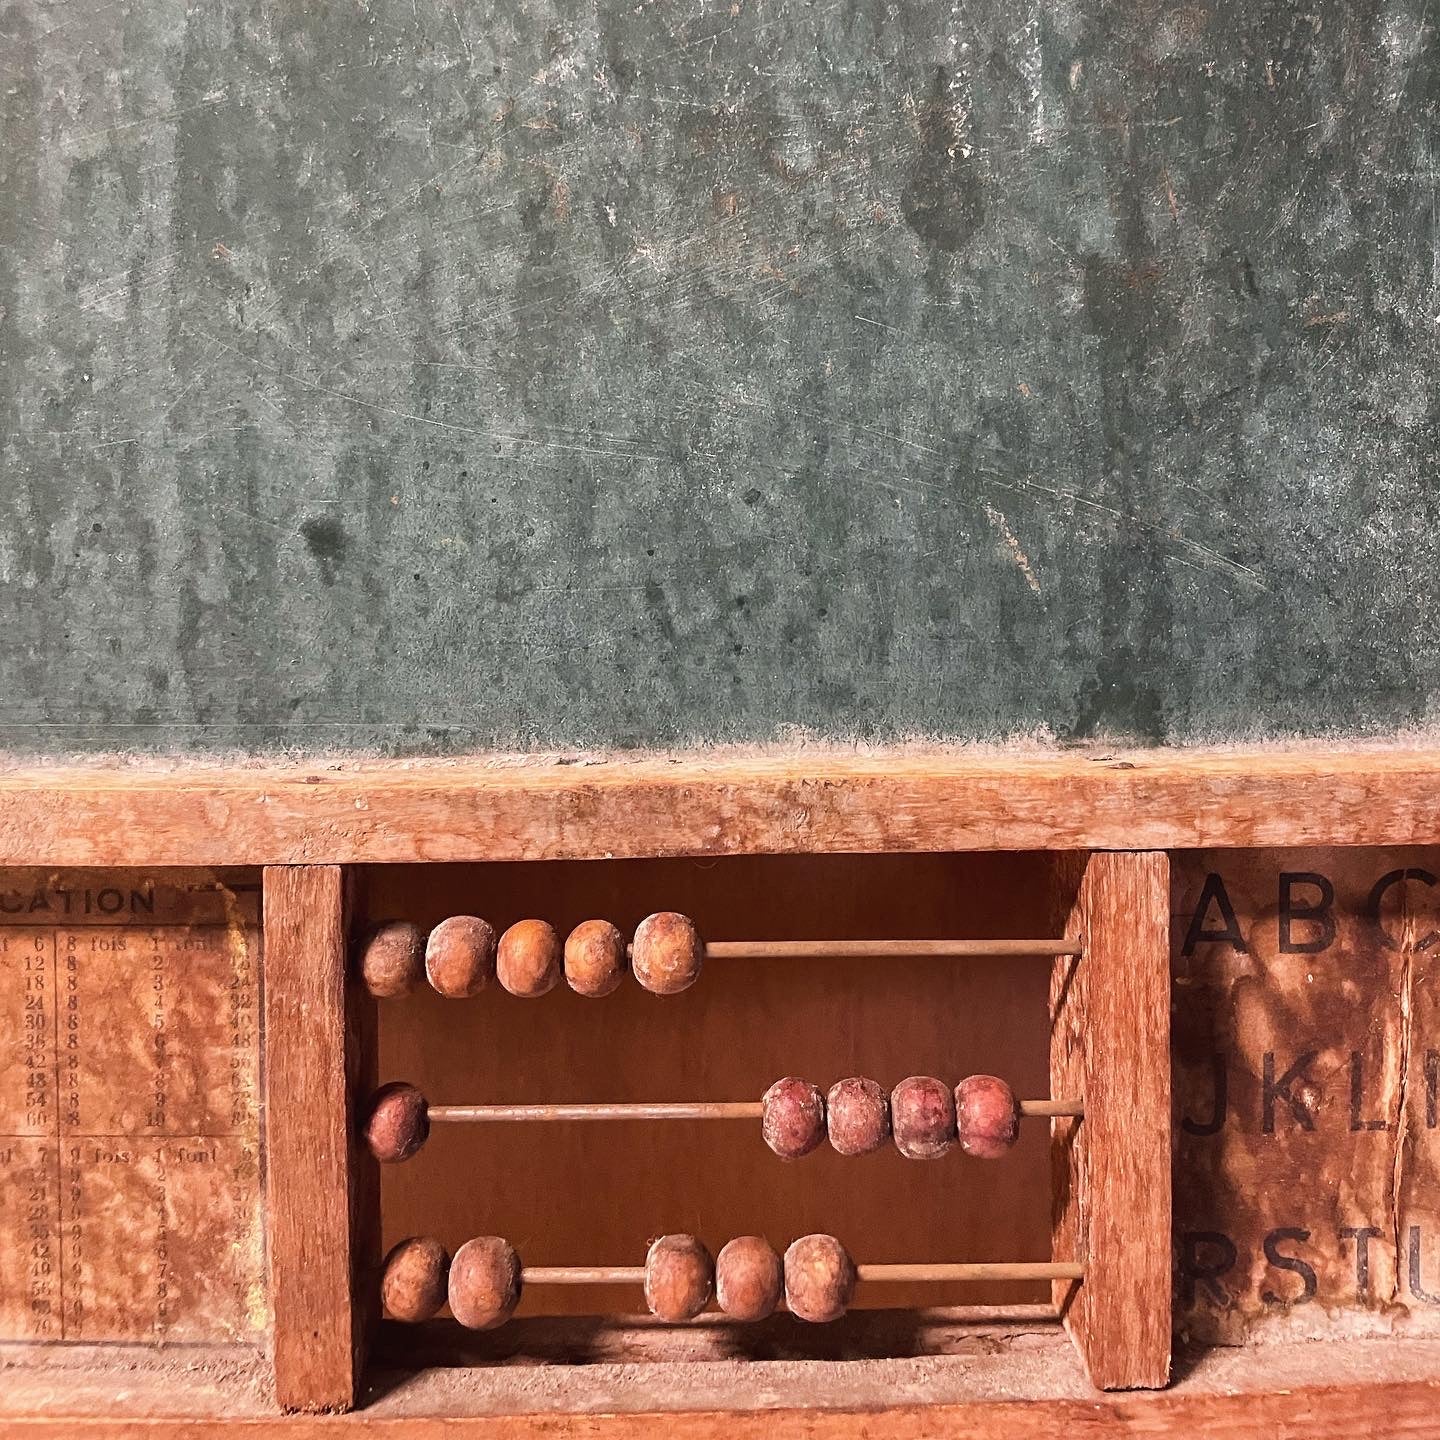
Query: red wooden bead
x=595 y=961
x=484 y=1282
x=460 y=956
x=792 y=1117
x=397 y=1123
x=528 y=961
x=679 y=1277
x=986 y=1116
x=413 y=1280
x=922 y=1115
x=857 y=1115
x=748 y=1278
x=819 y=1278
x=392 y=959
x=667 y=953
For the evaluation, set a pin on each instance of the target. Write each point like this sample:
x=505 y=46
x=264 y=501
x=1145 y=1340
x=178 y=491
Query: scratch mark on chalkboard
x=881 y=325
x=1012 y=546
x=145 y=122
x=359 y=400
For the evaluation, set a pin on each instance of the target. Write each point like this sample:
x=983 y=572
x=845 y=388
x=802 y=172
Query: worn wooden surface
x=1307 y=1071
x=309 y=1204
x=130 y=1161
x=1110 y=1044
x=1018 y=1381
x=811 y=800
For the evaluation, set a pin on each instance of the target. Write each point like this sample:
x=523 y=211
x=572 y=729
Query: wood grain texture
x=718 y=804
x=988 y=1378
x=310 y=1198
x=1110 y=1044
x=1336 y=1412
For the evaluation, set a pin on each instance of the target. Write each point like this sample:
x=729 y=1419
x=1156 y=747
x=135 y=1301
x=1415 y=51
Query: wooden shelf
x=1017 y=1380
x=545 y=808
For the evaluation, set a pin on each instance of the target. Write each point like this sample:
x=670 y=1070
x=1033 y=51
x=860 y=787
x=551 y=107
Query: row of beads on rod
x=461 y=955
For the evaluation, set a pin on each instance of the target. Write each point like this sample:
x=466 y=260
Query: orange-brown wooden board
x=1307 y=1084
x=130 y=1136
x=812 y=799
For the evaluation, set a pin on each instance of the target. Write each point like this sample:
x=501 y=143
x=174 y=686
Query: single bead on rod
x=749 y=1278
x=792 y=1118
x=397 y=1123
x=529 y=959
x=667 y=953
x=485 y=1282
x=819 y=1278
x=857 y=1115
x=679 y=1277
x=392 y=959
x=460 y=956
x=922 y=1115
x=595 y=958
x=987 y=1116
x=414 y=1278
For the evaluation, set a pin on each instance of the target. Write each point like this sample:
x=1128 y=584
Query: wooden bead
x=987 y=1119
x=792 y=1117
x=484 y=1282
x=857 y=1115
x=413 y=1281
x=819 y=1278
x=667 y=953
x=528 y=962
x=922 y=1116
x=595 y=961
x=392 y=959
x=397 y=1124
x=679 y=1277
x=460 y=956
x=748 y=1278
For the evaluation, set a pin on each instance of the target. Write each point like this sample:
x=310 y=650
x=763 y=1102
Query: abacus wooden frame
x=1111 y=1169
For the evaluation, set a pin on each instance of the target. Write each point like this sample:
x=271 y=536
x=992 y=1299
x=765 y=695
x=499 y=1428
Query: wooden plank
x=989 y=1387
x=1334 y=1412
x=698 y=804
x=1110 y=1044
x=313 y=1203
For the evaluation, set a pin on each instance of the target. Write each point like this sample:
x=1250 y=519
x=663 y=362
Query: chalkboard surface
x=419 y=375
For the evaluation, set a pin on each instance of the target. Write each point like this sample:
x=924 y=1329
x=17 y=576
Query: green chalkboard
x=421 y=376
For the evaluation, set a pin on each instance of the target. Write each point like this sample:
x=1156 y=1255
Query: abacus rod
x=883 y=949
x=582 y=1274
x=679 y=1110
x=698 y=1110
x=980 y=1270
x=1038 y=1108
x=924 y=1274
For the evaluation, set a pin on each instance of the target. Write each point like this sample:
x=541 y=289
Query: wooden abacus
x=1109 y=1116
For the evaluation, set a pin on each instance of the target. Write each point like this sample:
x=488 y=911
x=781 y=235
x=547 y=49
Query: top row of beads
x=461 y=955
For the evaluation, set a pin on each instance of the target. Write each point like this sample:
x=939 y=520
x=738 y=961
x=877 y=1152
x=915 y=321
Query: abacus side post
x=1110 y=1044
x=318 y=1208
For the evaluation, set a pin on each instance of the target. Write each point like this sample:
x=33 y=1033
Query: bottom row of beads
x=483 y=1281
